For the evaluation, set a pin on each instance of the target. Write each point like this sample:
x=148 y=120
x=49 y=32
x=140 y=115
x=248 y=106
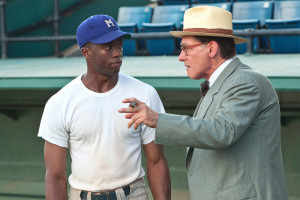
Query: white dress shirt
x=218 y=71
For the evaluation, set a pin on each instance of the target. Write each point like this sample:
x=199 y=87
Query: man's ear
x=86 y=52
x=213 y=48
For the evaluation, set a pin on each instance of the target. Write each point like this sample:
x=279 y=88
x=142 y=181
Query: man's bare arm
x=157 y=171
x=55 y=179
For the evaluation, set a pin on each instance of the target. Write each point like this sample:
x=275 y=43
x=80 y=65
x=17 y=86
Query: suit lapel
x=209 y=97
x=205 y=102
x=190 y=150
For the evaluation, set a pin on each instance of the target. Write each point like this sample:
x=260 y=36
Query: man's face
x=106 y=59
x=197 y=60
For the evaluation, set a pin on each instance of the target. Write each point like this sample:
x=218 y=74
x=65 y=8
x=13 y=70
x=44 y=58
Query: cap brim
x=110 y=37
x=180 y=34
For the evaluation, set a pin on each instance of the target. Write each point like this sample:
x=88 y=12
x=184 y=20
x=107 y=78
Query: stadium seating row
x=255 y=15
x=192 y=2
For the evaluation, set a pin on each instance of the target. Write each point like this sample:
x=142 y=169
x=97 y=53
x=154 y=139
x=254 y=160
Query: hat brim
x=180 y=34
x=103 y=39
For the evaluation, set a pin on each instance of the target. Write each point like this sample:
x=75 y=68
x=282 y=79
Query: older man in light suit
x=234 y=136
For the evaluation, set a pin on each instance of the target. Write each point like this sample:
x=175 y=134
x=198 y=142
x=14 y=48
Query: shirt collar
x=218 y=71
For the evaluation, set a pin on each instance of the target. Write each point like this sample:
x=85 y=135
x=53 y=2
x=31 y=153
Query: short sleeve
x=52 y=127
x=154 y=102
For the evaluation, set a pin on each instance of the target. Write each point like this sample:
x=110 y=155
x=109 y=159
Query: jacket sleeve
x=233 y=113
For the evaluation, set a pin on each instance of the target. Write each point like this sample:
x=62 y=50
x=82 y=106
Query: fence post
x=56 y=27
x=3 y=29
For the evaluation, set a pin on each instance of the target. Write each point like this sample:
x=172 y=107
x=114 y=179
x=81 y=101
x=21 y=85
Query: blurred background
x=39 y=55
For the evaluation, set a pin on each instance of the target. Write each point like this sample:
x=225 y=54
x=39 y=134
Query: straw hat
x=208 y=21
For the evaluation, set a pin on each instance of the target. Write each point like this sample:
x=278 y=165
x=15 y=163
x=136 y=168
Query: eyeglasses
x=185 y=48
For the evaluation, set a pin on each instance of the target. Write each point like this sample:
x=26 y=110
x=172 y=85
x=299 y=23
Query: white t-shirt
x=105 y=153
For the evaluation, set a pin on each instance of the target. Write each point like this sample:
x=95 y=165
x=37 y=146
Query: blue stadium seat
x=260 y=10
x=252 y=15
x=172 y=13
x=224 y=5
x=130 y=47
x=246 y=24
x=286 y=15
x=286 y=9
x=160 y=46
x=210 y=1
x=190 y=2
x=164 y=19
x=246 y=0
x=135 y=14
x=176 y=2
x=130 y=19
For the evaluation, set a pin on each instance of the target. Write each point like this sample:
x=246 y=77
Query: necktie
x=204 y=87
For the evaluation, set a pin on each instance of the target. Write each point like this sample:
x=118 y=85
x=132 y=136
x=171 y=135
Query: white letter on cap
x=108 y=22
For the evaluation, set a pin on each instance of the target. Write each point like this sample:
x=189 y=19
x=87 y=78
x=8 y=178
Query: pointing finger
x=127 y=110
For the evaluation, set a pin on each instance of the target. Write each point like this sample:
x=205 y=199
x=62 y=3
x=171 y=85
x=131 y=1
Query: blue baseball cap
x=99 y=29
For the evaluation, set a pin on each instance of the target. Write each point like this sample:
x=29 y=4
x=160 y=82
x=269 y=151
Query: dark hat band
x=211 y=31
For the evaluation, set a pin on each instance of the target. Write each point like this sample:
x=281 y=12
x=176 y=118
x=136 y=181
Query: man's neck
x=213 y=77
x=215 y=65
x=99 y=83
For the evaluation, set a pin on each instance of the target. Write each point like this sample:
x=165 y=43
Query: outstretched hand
x=140 y=114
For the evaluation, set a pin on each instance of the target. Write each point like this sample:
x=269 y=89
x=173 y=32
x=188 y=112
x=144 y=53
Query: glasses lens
x=184 y=50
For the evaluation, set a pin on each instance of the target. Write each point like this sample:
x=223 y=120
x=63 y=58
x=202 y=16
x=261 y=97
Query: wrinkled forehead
x=187 y=40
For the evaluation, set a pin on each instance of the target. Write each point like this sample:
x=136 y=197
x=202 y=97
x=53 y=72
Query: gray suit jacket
x=234 y=138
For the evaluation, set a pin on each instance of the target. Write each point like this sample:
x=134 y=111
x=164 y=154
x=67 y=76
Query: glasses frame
x=185 y=48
